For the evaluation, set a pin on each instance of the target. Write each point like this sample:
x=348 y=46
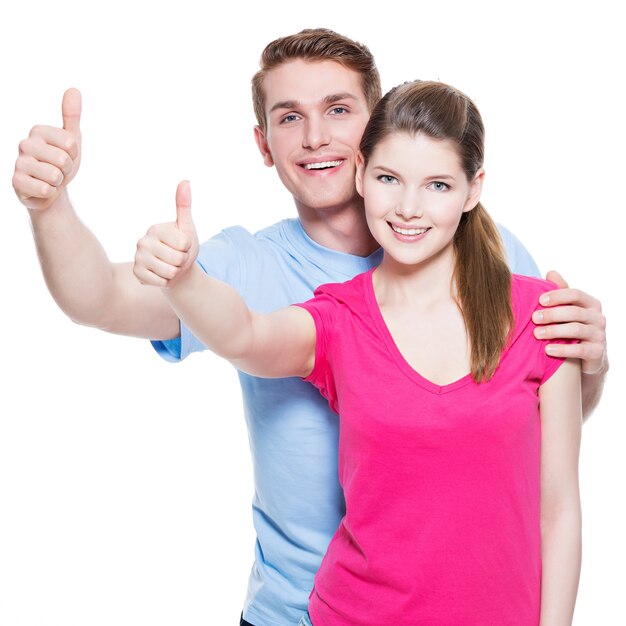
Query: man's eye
x=338 y=110
x=289 y=118
x=387 y=179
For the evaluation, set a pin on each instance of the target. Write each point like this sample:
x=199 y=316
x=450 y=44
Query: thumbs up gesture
x=50 y=157
x=167 y=251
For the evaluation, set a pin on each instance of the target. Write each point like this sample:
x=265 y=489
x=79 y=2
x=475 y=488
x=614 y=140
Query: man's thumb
x=183 y=207
x=71 y=109
x=555 y=277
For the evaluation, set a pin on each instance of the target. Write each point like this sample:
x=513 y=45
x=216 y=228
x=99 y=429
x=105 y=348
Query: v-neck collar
x=393 y=349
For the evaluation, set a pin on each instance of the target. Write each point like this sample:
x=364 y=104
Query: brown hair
x=482 y=276
x=316 y=44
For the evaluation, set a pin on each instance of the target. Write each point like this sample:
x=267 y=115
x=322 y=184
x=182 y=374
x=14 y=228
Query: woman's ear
x=476 y=188
x=360 y=171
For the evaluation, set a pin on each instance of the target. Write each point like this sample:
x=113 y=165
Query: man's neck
x=343 y=229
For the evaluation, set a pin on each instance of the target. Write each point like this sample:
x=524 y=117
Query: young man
x=312 y=99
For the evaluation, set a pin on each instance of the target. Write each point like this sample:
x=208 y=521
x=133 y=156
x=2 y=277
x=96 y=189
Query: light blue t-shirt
x=293 y=434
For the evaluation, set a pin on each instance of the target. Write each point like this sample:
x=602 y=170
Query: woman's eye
x=387 y=179
x=439 y=186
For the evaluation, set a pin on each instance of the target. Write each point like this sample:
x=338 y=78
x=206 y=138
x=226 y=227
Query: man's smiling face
x=315 y=115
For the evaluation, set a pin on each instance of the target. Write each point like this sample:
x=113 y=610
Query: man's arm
x=85 y=284
x=571 y=313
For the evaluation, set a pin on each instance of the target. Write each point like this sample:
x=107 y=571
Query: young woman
x=459 y=436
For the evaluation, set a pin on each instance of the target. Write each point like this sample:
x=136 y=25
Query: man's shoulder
x=238 y=241
x=519 y=259
x=239 y=236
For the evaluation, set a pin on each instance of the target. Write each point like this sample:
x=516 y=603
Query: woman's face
x=415 y=192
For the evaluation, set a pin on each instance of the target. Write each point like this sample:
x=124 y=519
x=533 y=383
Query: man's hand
x=573 y=314
x=50 y=157
x=167 y=251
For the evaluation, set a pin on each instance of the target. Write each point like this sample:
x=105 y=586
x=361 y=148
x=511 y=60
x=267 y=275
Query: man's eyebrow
x=335 y=97
x=330 y=99
x=285 y=104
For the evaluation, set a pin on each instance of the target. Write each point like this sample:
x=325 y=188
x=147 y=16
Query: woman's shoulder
x=525 y=294
x=351 y=290
x=526 y=290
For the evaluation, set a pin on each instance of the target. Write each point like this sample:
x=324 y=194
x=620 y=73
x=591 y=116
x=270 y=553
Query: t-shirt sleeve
x=550 y=364
x=518 y=258
x=323 y=309
x=221 y=258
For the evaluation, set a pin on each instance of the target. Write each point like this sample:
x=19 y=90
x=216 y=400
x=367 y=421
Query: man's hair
x=316 y=44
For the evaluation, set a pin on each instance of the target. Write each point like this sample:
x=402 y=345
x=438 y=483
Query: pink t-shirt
x=441 y=482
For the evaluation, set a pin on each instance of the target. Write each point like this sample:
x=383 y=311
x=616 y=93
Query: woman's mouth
x=409 y=232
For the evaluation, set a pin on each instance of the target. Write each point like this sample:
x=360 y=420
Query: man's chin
x=329 y=203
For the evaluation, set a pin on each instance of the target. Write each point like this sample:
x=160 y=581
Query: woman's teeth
x=408 y=231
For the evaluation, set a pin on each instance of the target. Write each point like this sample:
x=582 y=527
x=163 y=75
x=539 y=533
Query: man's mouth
x=322 y=165
x=411 y=232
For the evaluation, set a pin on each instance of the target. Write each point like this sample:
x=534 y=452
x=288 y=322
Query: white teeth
x=409 y=231
x=322 y=165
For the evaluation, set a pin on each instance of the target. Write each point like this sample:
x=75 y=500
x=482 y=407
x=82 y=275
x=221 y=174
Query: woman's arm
x=561 y=421
x=271 y=345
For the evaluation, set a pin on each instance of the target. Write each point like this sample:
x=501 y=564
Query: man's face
x=316 y=113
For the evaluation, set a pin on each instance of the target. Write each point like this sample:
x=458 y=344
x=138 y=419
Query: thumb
x=71 y=109
x=183 y=208
x=555 y=277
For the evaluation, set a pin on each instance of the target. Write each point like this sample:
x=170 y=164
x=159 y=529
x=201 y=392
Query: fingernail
x=537 y=316
x=544 y=299
x=550 y=349
x=540 y=332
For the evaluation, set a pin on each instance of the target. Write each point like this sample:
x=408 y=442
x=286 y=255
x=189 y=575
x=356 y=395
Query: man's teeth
x=409 y=231
x=322 y=165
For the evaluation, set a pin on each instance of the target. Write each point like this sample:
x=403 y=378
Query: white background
x=125 y=482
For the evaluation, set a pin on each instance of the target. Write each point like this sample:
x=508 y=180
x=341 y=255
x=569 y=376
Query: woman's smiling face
x=415 y=192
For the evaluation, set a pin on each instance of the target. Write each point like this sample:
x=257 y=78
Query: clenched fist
x=50 y=157
x=167 y=251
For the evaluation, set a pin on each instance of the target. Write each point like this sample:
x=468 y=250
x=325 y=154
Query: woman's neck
x=419 y=286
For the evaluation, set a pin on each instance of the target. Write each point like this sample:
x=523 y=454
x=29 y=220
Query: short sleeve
x=219 y=257
x=550 y=364
x=519 y=259
x=323 y=309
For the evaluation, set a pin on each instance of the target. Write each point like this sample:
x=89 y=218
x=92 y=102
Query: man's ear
x=261 y=142
x=476 y=189
x=360 y=171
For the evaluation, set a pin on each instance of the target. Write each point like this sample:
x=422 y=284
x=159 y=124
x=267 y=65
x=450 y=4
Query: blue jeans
x=306 y=620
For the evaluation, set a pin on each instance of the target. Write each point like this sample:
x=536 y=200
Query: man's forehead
x=310 y=83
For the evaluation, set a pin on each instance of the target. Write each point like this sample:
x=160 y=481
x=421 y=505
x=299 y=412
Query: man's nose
x=316 y=133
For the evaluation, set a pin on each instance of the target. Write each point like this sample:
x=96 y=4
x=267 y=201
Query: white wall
x=125 y=481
